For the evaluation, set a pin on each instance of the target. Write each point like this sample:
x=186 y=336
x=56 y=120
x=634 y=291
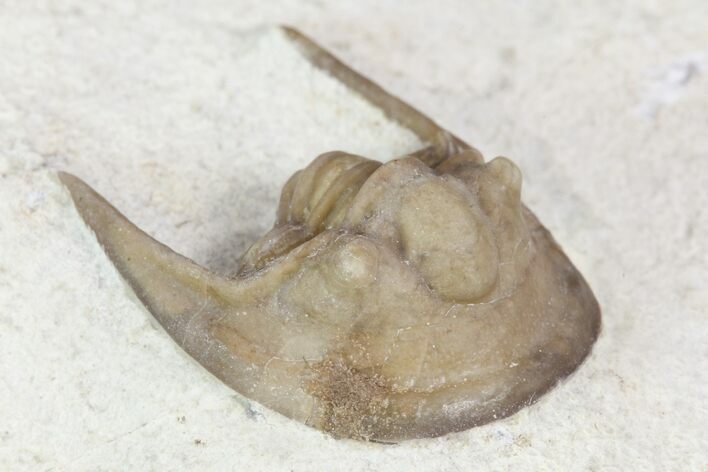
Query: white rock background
x=160 y=105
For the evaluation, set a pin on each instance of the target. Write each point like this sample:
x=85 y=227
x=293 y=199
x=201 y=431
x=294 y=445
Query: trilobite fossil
x=390 y=301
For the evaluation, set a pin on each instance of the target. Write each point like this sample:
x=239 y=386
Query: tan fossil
x=390 y=301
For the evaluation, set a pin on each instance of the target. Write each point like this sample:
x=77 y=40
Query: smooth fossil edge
x=390 y=301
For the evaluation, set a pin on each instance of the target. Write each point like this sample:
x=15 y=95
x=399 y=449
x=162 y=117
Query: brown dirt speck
x=355 y=402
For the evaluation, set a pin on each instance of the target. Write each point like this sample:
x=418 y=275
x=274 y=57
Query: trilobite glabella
x=389 y=301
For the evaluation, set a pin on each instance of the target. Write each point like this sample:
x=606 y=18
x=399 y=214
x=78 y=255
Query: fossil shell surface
x=390 y=301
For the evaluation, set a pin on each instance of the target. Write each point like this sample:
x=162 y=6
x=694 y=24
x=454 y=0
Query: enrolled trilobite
x=389 y=301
